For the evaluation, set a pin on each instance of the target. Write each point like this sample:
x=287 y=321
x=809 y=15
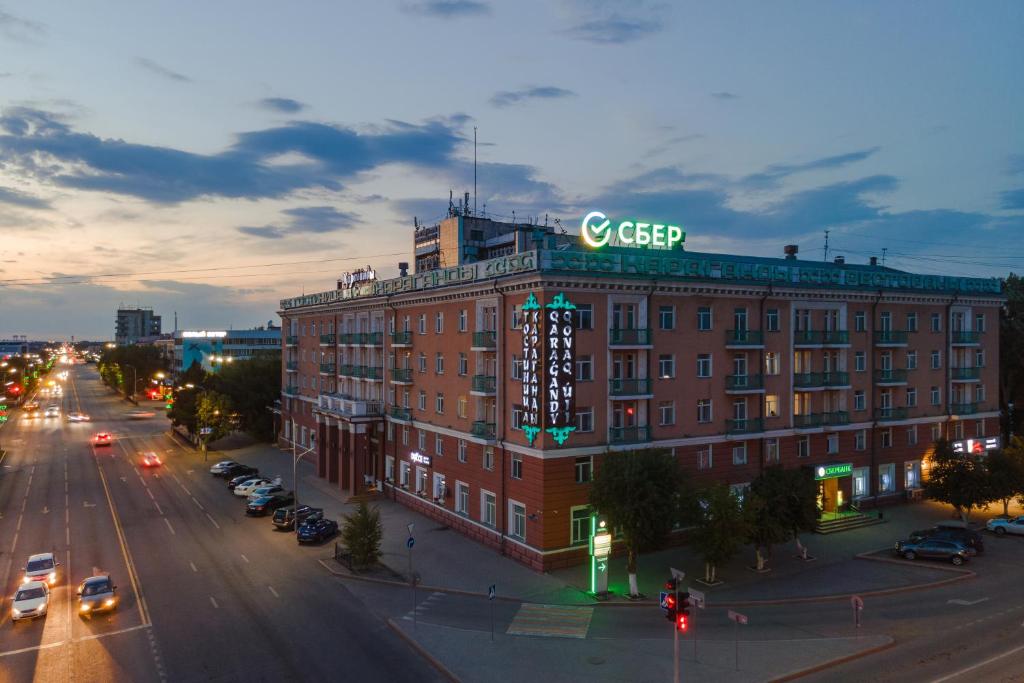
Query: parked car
x=933 y=548
x=953 y=531
x=264 y=504
x=97 y=594
x=317 y=530
x=266 y=490
x=284 y=518
x=103 y=439
x=151 y=459
x=30 y=601
x=1001 y=526
x=238 y=469
x=251 y=484
x=240 y=479
x=41 y=567
x=219 y=468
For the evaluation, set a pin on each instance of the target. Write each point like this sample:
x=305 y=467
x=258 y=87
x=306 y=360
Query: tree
x=361 y=535
x=799 y=506
x=1005 y=470
x=125 y=367
x=252 y=386
x=721 y=528
x=183 y=411
x=1011 y=349
x=213 y=413
x=638 y=491
x=958 y=479
x=772 y=508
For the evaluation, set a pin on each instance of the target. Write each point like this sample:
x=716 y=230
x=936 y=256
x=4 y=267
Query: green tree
x=958 y=479
x=1011 y=351
x=183 y=411
x=1005 y=470
x=774 y=508
x=252 y=386
x=361 y=535
x=213 y=416
x=721 y=528
x=638 y=491
x=128 y=367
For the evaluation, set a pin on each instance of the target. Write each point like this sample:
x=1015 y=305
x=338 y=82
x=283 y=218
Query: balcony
x=401 y=375
x=346 y=406
x=742 y=383
x=347 y=338
x=327 y=368
x=890 y=338
x=966 y=374
x=890 y=376
x=400 y=413
x=744 y=338
x=821 y=338
x=291 y=340
x=368 y=338
x=813 y=420
x=327 y=340
x=964 y=408
x=887 y=414
x=812 y=380
x=638 y=434
x=750 y=425
x=372 y=373
x=292 y=366
x=485 y=340
x=347 y=370
x=483 y=384
x=629 y=386
x=403 y=338
x=291 y=390
x=484 y=430
x=629 y=336
x=965 y=338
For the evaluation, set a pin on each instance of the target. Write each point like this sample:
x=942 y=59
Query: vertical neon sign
x=560 y=362
x=531 y=368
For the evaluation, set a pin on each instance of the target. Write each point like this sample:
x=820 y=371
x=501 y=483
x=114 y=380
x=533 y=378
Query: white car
x=1001 y=525
x=41 y=567
x=222 y=466
x=268 y=490
x=247 y=487
x=52 y=411
x=78 y=417
x=30 y=601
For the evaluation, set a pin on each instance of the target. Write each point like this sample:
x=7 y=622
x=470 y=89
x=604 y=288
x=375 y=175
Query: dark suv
x=284 y=518
x=238 y=469
x=952 y=532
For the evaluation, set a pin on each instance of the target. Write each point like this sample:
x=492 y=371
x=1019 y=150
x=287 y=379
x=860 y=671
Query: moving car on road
x=317 y=530
x=52 y=411
x=97 y=594
x=31 y=409
x=264 y=504
x=139 y=414
x=41 y=567
x=284 y=518
x=953 y=531
x=935 y=549
x=78 y=417
x=250 y=485
x=1002 y=526
x=102 y=439
x=151 y=459
x=30 y=601
x=219 y=468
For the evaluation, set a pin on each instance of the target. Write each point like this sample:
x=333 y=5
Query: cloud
x=776 y=172
x=305 y=219
x=1012 y=199
x=505 y=98
x=613 y=22
x=42 y=146
x=725 y=95
x=161 y=70
x=9 y=196
x=284 y=105
x=1015 y=164
x=19 y=29
x=447 y=9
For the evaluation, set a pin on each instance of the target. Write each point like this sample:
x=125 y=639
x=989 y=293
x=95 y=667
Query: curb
x=792 y=676
x=423 y=652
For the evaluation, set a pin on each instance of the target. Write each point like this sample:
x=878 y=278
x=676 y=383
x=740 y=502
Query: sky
x=210 y=159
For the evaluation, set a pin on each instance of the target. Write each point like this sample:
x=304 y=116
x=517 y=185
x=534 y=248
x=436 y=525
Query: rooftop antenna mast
x=826 y=245
x=884 y=249
x=474 y=170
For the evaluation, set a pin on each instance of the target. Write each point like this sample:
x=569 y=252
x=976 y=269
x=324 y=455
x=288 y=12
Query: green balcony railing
x=890 y=376
x=347 y=338
x=629 y=336
x=629 y=386
x=291 y=340
x=327 y=368
x=369 y=338
x=964 y=408
x=292 y=365
x=750 y=425
x=807 y=380
x=820 y=337
x=807 y=420
x=836 y=417
x=965 y=337
x=966 y=373
x=347 y=370
x=486 y=339
x=400 y=413
x=484 y=430
x=327 y=339
x=401 y=374
x=638 y=434
x=890 y=337
x=744 y=382
x=811 y=420
x=401 y=338
x=371 y=372
x=484 y=384
x=744 y=338
x=291 y=390
x=885 y=414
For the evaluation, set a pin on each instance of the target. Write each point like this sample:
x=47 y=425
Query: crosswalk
x=551 y=620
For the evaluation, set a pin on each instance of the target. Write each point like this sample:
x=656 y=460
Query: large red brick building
x=417 y=385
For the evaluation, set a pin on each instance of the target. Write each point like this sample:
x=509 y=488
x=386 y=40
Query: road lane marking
x=214 y=603
x=67 y=535
x=199 y=504
x=47 y=646
x=212 y=520
x=245 y=558
x=187 y=492
x=192 y=564
x=143 y=609
x=118 y=632
x=273 y=591
x=158 y=508
x=171 y=528
x=150 y=494
x=986 y=662
x=14 y=544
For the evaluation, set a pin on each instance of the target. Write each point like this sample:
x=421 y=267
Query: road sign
x=857 y=602
x=410 y=542
x=662 y=600
x=492 y=591
x=676 y=574
x=737 y=617
x=697 y=597
x=206 y=430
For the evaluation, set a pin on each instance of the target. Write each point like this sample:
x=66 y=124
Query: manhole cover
x=595 y=660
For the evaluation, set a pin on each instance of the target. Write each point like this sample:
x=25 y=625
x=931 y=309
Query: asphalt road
x=205 y=592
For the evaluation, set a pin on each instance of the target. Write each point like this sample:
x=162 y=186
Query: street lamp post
x=296 y=456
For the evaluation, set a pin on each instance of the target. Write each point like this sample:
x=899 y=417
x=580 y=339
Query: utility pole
x=474 y=170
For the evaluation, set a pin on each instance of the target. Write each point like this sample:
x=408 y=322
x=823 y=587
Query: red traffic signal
x=682 y=621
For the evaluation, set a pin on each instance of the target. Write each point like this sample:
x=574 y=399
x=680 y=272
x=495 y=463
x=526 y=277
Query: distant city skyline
x=212 y=160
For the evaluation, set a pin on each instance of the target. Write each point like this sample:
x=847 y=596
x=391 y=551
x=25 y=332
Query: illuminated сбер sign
x=560 y=362
x=833 y=470
x=597 y=231
x=531 y=366
x=204 y=334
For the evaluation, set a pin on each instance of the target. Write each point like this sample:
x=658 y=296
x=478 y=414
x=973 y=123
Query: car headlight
x=108 y=602
x=84 y=607
x=26 y=578
x=53 y=576
x=15 y=612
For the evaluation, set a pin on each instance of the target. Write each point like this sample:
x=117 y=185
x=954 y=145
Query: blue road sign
x=661 y=600
x=410 y=542
x=492 y=591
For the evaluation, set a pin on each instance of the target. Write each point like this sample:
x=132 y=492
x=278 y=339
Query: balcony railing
x=628 y=336
x=327 y=368
x=291 y=366
x=966 y=373
x=400 y=413
x=806 y=380
x=744 y=382
x=291 y=340
x=327 y=340
x=484 y=384
x=965 y=337
x=486 y=339
x=744 y=338
x=350 y=407
x=401 y=338
x=484 y=430
x=891 y=376
x=347 y=338
x=369 y=338
x=811 y=420
x=629 y=386
x=820 y=337
x=291 y=390
x=885 y=414
x=964 y=408
x=347 y=370
x=890 y=337
x=401 y=375
x=750 y=425
x=371 y=372
x=638 y=434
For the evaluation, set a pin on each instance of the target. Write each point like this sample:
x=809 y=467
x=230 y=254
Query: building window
x=832 y=443
x=860 y=363
x=704 y=365
x=584 y=316
x=440 y=488
x=887 y=438
x=666 y=413
x=463 y=320
x=666 y=366
x=422 y=362
x=422 y=400
x=936 y=360
x=771 y=451
x=771 y=320
x=936 y=322
x=584 y=368
x=391 y=430
x=704 y=318
x=405 y=436
x=517 y=368
x=462 y=450
x=488 y=461
x=421 y=324
x=403 y=471
x=439 y=364
x=517 y=523
x=584 y=469
x=739 y=454
x=803 y=446
x=859 y=400
x=438 y=444
x=460 y=406
x=517 y=466
x=585 y=419
x=667 y=317
x=979 y=393
x=912 y=435
x=911 y=360
x=517 y=417
x=704 y=410
x=771 y=405
x=936 y=396
x=936 y=431
x=421 y=480
x=860 y=482
x=887 y=478
x=421 y=440
x=911 y=322
x=439 y=323
x=580 y=529
x=860 y=440
x=859 y=321
x=705 y=457
x=979 y=358
x=464 y=364
x=911 y=397
x=958 y=430
x=461 y=498
x=487 y=508
x=389 y=468
x=979 y=428
x=979 y=322
x=771 y=363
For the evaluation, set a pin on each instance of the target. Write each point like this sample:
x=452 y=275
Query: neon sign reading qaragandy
x=596 y=231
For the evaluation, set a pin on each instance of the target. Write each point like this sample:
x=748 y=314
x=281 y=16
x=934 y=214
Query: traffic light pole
x=675 y=650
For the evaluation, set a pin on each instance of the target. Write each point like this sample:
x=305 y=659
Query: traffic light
x=671 y=603
x=682 y=621
x=682 y=610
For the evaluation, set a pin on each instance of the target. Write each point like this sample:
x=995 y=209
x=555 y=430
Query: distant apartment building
x=484 y=388
x=214 y=348
x=135 y=323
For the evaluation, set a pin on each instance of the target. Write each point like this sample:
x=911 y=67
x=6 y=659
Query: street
x=205 y=593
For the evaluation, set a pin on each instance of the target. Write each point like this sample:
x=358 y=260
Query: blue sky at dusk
x=212 y=158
